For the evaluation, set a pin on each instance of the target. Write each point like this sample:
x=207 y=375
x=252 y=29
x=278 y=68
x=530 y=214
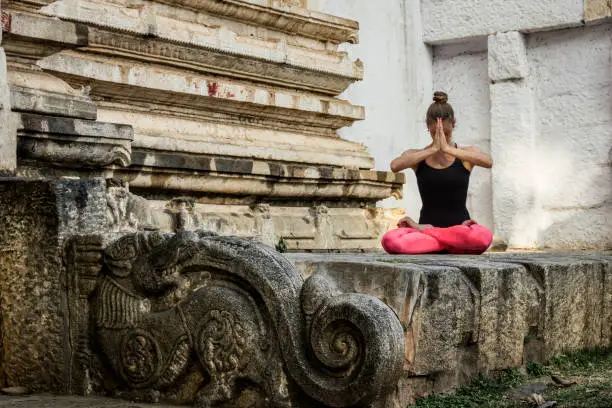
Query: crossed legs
x=458 y=239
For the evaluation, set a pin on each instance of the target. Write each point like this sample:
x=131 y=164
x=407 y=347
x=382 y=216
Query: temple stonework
x=155 y=158
x=153 y=154
x=231 y=104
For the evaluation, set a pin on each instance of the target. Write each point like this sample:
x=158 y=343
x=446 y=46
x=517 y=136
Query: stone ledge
x=238 y=177
x=195 y=133
x=469 y=314
x=303 y=69
x=74 y=127
x=292 y=20
x=203 y=42
x=73 y=142
x=34 y=37
x=295 y=20
x=305 y=184
x=51 y=103
x=128 y=83
x=197 y=162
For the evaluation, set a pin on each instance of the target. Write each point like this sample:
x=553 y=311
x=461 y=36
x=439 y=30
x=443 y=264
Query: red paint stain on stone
x=6 y=22
x=213 y=88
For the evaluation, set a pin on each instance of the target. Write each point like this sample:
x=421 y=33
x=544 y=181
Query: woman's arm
x=472 y=155
x=411 y=158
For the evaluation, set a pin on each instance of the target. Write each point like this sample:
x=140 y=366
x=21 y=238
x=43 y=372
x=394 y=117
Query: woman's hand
x=438 y=138
x=441 y=136
x=408 y=222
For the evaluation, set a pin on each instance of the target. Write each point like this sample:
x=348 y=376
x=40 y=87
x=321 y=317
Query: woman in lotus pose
x=443 y=174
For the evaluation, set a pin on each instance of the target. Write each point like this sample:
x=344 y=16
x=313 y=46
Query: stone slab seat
x=464 y=315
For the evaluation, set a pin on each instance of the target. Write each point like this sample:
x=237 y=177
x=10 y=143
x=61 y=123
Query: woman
x=443 y=174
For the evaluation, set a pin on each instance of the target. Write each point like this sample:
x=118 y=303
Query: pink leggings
x=458 y=239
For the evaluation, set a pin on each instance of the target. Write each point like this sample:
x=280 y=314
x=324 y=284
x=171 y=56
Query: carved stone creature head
x=153 y=260
x=119 y=257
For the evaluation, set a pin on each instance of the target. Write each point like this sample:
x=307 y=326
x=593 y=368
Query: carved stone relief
x=126 y=212
x=194 y=317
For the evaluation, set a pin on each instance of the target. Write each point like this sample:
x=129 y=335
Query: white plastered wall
x=571 y=73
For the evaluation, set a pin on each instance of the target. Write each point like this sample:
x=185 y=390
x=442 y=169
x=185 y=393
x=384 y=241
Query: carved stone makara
x=197 y=318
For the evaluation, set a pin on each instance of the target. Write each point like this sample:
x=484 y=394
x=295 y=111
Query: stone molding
x=183 y=35
x=302 y=184
x=294 y=20
x=51 y=103
x=112 y=79
x=298 y=228
x=277 y=70
x=72 y=142
x=162 y=131
x=239 y=177
x=291 y=20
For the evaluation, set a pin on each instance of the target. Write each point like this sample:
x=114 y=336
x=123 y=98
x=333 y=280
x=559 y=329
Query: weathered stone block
x=470 y=314
x=507 y=56
x=36 y=216
x=51 y=103
x=597 y=9
x=574 y=312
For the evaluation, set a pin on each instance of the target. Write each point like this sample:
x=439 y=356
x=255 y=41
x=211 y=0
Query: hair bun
x=440 y=97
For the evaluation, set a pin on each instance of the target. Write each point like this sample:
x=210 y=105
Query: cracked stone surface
x=464 y=315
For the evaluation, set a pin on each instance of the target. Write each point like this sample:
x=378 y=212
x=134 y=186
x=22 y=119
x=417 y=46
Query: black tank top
x=444 y=193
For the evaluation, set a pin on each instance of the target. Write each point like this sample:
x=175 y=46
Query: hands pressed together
x=440 y=144
x=411 y=158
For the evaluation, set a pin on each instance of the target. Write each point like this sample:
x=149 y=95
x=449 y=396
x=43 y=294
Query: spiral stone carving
x=140 y=358
x=252 y=321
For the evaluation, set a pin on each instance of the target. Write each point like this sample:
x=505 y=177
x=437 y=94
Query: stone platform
x=464 y=315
